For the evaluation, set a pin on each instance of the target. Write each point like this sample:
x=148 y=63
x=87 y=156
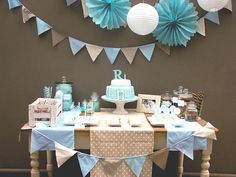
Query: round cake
x=120 y=89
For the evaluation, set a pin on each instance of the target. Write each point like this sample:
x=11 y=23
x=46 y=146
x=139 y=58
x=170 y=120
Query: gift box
x=45 y=110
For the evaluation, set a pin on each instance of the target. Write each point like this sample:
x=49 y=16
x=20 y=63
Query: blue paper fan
x=110 y=14
x=177 y=22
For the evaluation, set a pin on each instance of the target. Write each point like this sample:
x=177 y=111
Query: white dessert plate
x=135 y=122
x=156 y=123
x=87 y=121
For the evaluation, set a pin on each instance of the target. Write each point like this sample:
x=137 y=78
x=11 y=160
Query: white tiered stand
x=120 y=104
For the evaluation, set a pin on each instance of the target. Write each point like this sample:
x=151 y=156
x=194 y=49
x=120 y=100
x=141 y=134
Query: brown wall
x=27 y=63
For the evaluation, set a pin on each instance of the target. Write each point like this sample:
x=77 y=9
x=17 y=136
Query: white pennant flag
x=205 y=133
x=201 y=29
x=85 y=8
x=93 y=51
x=229 y=5
x=26 y=14
x=129 y=53
x=63 y=154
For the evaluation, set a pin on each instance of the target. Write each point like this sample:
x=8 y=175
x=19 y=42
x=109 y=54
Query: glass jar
x=166 y=99
x=191 y=113
x=66 y=88
x=95 y=101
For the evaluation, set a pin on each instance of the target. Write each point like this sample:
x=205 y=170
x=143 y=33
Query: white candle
x=124 y=76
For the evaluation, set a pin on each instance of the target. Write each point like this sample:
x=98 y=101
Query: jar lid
x=64 y=81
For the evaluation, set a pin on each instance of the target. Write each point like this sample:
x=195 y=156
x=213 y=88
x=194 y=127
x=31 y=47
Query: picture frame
x=145 y=101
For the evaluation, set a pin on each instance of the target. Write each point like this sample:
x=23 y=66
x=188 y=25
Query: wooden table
x=82 y=141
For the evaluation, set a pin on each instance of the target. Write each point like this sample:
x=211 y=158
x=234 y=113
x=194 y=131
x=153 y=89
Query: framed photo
x=146 y=102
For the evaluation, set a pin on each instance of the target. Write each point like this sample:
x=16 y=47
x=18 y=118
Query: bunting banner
x=136 y=164
x=186 y=146
x=129 y=53
x=57 y=38
x=111 y=52
x=75 y=45
x=26 y=14
x=85 y=8
x=229 y=5
x=110 y=165
x=213 y=17
x=63 y=154
x=160 y=158
x=44 y=139
x=86 y=162
x=70 y=2
x=201 y=26
x=13 y=4
x=147 y=50
x=42 y=26
x=93 y=51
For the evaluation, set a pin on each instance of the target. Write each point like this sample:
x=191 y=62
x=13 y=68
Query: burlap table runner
x=106 y=141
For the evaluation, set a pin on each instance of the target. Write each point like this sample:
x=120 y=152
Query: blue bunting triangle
x=86 y=162
x=76 y=45
x=136 y=164
x=147 y=50
x=69 y=2
x=42 y=26
x=40 y=142
x=186 y=147
x=112 y=53
x=213 y=17
x=14 y=3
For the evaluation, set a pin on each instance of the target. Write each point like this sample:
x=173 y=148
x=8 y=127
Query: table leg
x=206 y=158
x=181 y=164
x=34 y=164
x=49 y=163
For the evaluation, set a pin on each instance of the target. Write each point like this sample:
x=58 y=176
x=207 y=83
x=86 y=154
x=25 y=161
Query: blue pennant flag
x=112 y=53
x=69 y=2
x=42 y=26
x=213 y=17
x=136 y=164
x=75 y=45
x=86 y=162
x=147 y=50
x=14 y=3
x=44 y=138
x=186 y=147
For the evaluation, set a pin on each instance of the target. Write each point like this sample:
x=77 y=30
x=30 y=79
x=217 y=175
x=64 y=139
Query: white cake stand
x=120 y=104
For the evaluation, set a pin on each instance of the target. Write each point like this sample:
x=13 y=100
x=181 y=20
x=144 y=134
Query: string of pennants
x=40 y=141
x=110 y=165
x=94 y=50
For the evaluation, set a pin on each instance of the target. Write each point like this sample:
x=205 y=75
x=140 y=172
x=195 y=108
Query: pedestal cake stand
x=120 y=104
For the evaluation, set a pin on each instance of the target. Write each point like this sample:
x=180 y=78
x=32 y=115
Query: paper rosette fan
x=110 y=14
x=177 y=22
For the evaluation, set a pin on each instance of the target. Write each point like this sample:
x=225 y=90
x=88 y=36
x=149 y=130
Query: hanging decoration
x=212 y=5
x=142 y=19
x=110 y=14
x=177 y=23
x=94 y=50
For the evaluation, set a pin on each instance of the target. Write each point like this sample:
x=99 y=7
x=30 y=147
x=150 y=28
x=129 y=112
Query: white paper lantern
x=142 y=19
x=212 y=5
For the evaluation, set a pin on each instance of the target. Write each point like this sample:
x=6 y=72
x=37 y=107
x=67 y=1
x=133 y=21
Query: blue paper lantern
x=110 y=14
x=177 y=22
